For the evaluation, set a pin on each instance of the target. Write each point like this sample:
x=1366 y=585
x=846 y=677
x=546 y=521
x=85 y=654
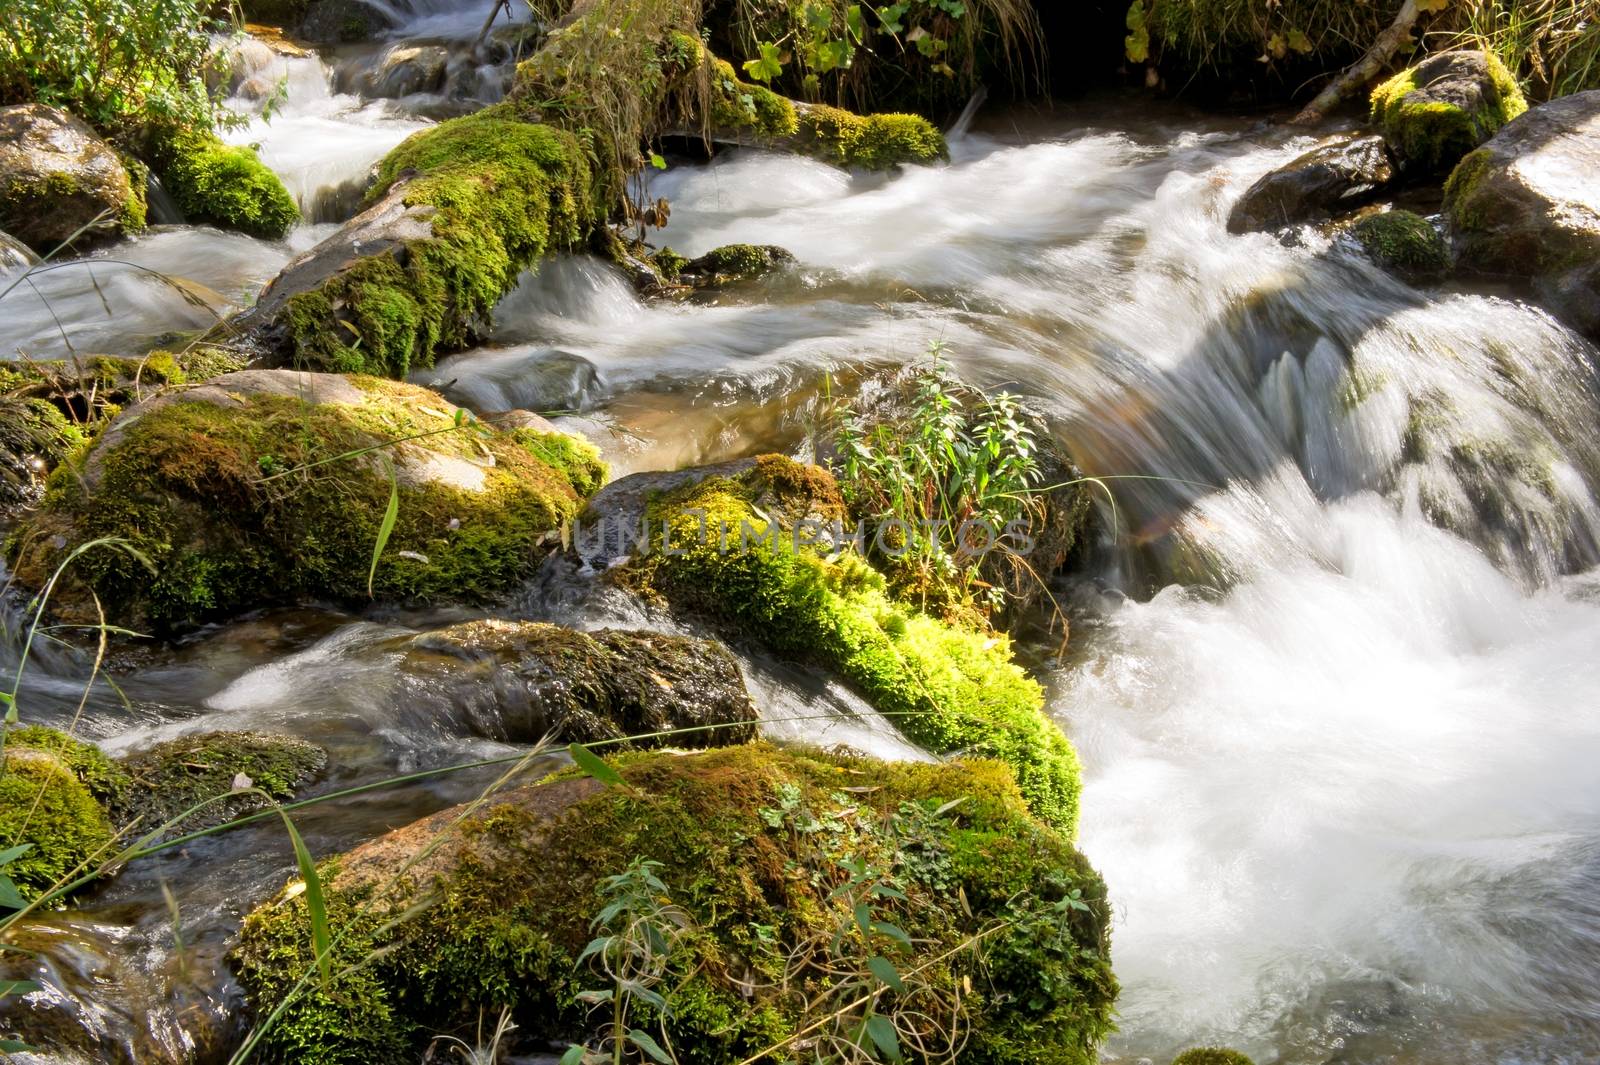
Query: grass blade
x=595 y=766
x=321 y=941
x=384 y=530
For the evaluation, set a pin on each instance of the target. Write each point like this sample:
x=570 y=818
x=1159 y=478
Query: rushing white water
x=1334 y=683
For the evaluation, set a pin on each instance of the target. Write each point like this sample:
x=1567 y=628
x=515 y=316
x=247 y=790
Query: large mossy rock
x=225 y=185
x=1329 y=180
x=271 y=486
x=757 y=848
x=1439 y=110
x=739 y=555
x=523 y=681
x=59 y=181
x=1527 y=205
x=458 y=212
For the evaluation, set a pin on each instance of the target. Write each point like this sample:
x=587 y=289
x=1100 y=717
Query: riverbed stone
x=15 y=255
x=749 y=843
x=520 y=682
x=1527 y=205
x=268 y=487
x=163 y=782
x=1331 y=179
x=57 y=177
x=1404 y=243
x=343 y=21
x=1434 y=113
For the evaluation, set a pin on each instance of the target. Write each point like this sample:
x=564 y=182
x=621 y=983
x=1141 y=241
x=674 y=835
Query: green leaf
x=1299 y=42
x=387 y=527
x=18 y=987
x=1137 y=43
x=10 y=897
x=885 y=971
x=854 y=22
x=321 y=940
x=893 y=931
x=768 y=66
x=881 y=1031
x=573 y=1056
x=595 y=766
x=643 y=1041
x=11 y=854
x=13 y=1046
x=658 y=161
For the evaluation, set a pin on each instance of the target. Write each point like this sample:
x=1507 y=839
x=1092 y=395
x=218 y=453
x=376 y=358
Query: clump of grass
x=952 y=481
x=1553 y=45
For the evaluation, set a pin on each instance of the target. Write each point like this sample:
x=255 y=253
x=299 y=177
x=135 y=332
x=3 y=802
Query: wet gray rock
x=522 y=681
x=1331 y=179
x=528 y=377
x=56 y=177
x=400 y=70
x=1527 y=205
x=242 y=68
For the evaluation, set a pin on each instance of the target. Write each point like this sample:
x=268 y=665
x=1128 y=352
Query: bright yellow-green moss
x=193 y=486
x=1433 y=134
x=947 y=687
x=507 y=193
x=750 y=840
x=871 y=142
x=737 y=104
x=105 y=779
x=224 y=185
x=43 y=804
x=1211 y=1056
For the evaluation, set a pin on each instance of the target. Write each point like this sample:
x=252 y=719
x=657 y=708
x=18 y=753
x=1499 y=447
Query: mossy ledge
x=946 y=686
x=750 y=839
x=267 y=487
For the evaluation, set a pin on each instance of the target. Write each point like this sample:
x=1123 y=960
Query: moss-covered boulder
x=224 y=185
x=59 y=181
x=1211 y=1056
x=1434 y=113
x=523 y=681
x=34 y=436
x=161 y=783
x=767 y=858
x=1526 y=205
x=727 y=265
x=44 y=805
x=269 y=486
x=748 y=545
x=1331 y=179
x=1404 y=243
x=458 y=212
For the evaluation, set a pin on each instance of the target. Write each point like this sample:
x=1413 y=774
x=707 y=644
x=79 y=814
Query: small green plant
x=943 y=486
x=639 y=927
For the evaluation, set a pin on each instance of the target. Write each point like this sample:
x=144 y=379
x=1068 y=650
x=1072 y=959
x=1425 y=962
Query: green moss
x=1404 y=242
x=105 y=779
x=135 y=209
x=165 y=781
x=1211 y=1056
x=190 y=486
x=224 y=185
x=668 y=263
x=43 y=804
x=872 y=142
x=1468 y=209
x=737 y=104
x=947 y=687
x=1433 y=134
x=507 y=194
x=750 y=840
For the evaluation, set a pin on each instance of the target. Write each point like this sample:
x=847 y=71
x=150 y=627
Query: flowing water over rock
x=1332 y=670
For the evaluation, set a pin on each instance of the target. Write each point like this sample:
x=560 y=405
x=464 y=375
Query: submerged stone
x=271 y=487
x=523 y=681
x=473 y=911
x=165 y=781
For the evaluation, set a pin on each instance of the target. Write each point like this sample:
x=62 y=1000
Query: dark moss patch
x=504 y=194
x=168 y=779
x=231 y=501
x=1211 y=1056
x=225 y=185
x=751 y=842
x=947 y=686
x=1403 y=242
